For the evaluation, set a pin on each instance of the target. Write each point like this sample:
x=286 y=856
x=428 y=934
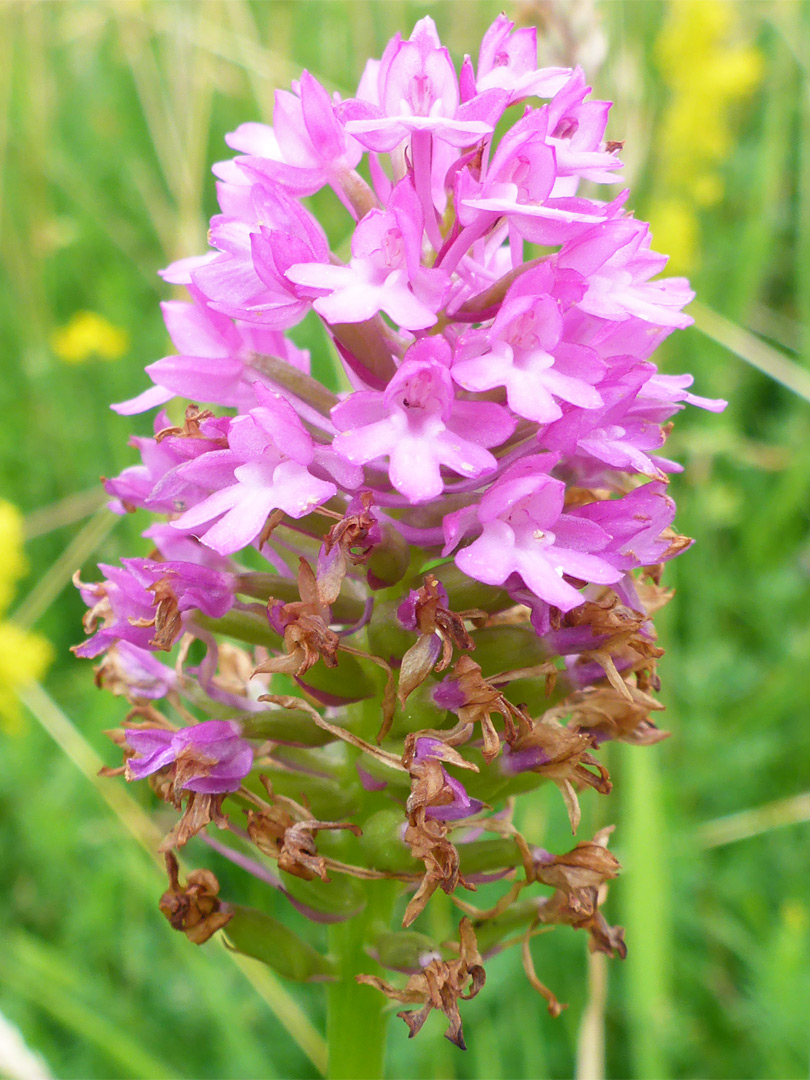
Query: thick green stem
x=357 y=1023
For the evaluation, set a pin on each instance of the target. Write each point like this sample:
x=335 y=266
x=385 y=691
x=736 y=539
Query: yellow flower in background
x=89 y=335
x=13 y=563
x=24 y=656
x=676 y=231
x=708 y=74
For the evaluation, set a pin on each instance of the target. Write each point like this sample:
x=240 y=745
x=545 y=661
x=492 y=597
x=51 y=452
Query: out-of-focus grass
x=109 y=117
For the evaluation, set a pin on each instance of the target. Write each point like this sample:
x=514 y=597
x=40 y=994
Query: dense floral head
x=483 y=473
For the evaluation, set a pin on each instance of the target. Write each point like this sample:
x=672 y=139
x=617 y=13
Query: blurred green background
x=110 y=116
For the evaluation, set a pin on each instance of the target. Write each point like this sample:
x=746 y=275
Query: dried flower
x=193 y=908
x=440 y=985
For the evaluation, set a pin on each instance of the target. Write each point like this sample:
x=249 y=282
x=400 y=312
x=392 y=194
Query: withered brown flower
x=440 y=631
x=194 y=908
x=547 y=747
x=304 y=625
x=580 y=877
x=440 y=985
x=426 y=835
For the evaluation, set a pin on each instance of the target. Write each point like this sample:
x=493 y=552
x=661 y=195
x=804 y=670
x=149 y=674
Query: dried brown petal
x=580 y=877
x=349 y=536
x=481 y=701
x=588 y=865
x=191 y=426
x=200 y=811
x=600 y=711
x=417 y=664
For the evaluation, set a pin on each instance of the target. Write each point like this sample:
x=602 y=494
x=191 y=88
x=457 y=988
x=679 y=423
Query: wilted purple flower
x=456 y=803
x=144 y=601
x=214 y=757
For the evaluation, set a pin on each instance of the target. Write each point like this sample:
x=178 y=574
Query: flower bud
x=253 y=933
x=404 y=950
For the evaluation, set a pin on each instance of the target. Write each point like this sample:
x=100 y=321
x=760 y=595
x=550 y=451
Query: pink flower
x=524 y=531
x=617 y=263
x=576 y=132
x=214 y=364
x=507 y=60
x=261 y=233
x=264 y=468
x=420 y=426
x=306 y=147
x=384 y=273
x=523 y=351
x=519 y=182
x=416 y=93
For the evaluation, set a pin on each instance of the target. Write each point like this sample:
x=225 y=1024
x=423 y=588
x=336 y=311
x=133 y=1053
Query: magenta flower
x=138 y=484
x=138 y=672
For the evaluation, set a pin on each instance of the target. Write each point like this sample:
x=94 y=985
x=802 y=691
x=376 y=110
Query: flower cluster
x=404 y=602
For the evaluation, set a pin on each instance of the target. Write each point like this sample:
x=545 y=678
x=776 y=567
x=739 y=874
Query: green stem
x=356 y=1021
x=647 y=912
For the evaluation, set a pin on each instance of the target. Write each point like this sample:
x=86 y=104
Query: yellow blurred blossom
x=676 y=230
x=89 y=335
x=795 y=916
x=24 y=656
x=708 y=74
x=13 y=563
